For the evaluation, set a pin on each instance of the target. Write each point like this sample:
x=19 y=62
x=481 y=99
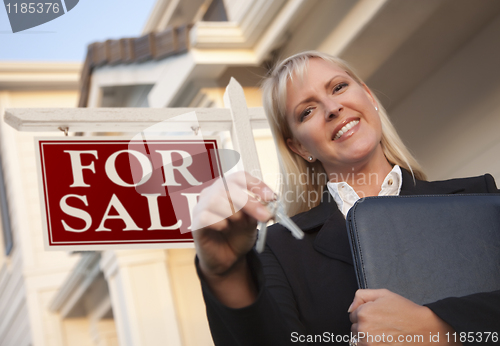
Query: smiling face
x=333 y=119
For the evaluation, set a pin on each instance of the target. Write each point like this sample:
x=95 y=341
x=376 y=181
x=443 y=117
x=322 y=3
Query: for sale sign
x=110 y=193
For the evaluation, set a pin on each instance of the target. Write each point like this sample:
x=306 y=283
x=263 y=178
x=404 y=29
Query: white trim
x=75 y=287
x=275 y=33
x=352 y=24
x=101 y=309
x=39 y=76
x=244 y=29
x=77 y=275
x=217 y=34
x=157 y=13
x=124 y=119
x=46 y=67
x=171 y=81
x=128 y=299
x=258 y=20
x=17 y=202
x=147 y=72
x=95 y=95
x=12 y=299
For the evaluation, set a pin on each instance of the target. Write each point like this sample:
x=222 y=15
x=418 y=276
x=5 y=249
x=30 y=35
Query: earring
x=376 y=108
x=310 y=158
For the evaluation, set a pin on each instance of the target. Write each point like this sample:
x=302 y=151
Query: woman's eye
x=305 y=113
x=339 y=87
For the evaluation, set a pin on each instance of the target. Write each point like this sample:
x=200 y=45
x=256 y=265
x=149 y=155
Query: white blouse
x=345 y=196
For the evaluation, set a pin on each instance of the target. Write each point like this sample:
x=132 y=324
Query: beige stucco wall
x=451 y=120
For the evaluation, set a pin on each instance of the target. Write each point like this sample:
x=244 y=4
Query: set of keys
x=276 y=209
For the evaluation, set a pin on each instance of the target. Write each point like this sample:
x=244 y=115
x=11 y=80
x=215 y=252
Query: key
x=278 y=211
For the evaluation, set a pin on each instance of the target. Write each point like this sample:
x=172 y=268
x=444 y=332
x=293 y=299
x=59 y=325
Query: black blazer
x=306 y=286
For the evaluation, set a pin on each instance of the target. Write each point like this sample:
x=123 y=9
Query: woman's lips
x=346 y=127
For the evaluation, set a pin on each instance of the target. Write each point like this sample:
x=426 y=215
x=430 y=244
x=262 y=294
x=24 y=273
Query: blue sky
x=66 y=38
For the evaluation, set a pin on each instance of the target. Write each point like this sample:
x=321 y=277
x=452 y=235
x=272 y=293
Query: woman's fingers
x=223 y=199
x=254 y=185
x=250 y=205
x=225 y=219
x=363 y=296
x=259 y=188
x=249 y=193
x=390 y=319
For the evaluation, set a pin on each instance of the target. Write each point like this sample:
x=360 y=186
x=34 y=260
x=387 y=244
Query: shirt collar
x=345 y=196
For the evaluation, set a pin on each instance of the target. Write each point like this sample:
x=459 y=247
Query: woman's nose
x=332 y=110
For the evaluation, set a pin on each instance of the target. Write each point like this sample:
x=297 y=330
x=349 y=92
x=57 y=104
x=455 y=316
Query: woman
x=328 y=125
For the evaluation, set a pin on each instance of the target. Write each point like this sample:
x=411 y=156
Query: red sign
x=109 y=193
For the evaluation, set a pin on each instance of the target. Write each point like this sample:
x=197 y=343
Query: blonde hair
x=298 y=195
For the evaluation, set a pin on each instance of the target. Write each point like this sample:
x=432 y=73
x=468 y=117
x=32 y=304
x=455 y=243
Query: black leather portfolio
x=426 y=248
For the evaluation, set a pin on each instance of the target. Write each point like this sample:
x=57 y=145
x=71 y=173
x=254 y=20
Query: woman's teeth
x=346 y=128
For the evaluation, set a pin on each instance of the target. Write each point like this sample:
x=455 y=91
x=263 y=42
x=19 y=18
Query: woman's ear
x=297 y=148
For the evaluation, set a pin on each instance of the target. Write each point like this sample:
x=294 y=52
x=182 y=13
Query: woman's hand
x=384 y=317
x=224 y=225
